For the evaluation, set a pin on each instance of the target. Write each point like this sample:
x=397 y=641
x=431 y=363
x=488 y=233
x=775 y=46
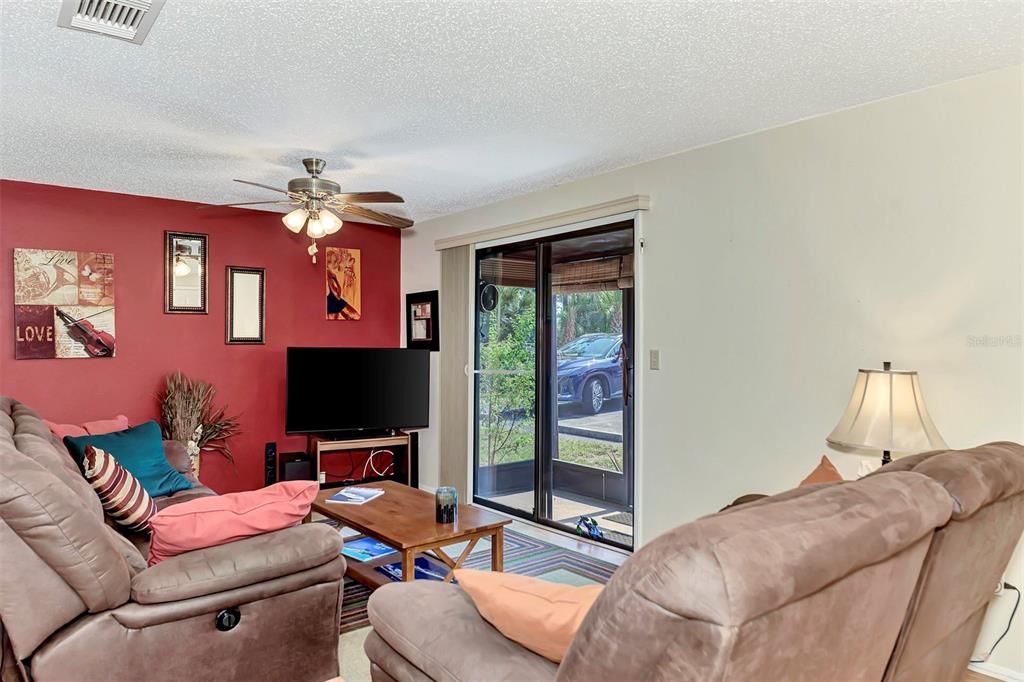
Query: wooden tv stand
x=317 y=445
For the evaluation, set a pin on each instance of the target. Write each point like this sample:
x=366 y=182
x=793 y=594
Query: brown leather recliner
x=810 y=586
x=78 y=602
x=966 y=560
x=819 y=582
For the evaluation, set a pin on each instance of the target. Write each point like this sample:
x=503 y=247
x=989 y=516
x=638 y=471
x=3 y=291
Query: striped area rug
x=523 y=555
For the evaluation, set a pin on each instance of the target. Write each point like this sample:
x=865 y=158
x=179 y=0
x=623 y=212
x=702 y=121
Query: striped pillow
x=120 y=493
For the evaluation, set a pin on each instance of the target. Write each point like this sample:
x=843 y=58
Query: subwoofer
x=296 y=466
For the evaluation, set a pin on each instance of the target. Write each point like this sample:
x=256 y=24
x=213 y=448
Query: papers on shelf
x=425 y=570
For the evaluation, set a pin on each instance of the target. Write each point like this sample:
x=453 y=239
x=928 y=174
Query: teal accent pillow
x=140 y=450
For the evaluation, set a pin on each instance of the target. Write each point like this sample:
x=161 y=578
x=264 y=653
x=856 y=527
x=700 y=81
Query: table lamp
x=887 y=412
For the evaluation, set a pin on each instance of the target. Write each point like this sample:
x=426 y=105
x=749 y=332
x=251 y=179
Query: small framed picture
x=246 y=305
x=421 y=321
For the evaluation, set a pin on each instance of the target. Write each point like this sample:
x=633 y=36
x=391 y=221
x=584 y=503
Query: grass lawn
x=591 y=452
x=588 y=451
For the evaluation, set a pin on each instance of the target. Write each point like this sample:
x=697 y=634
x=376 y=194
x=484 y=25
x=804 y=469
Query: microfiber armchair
x=884 y=578
x=808 y=588
x=78 y=602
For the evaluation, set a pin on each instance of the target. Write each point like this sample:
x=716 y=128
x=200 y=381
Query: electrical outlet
x=655 y=359
x=323 y=477
x=999 y=587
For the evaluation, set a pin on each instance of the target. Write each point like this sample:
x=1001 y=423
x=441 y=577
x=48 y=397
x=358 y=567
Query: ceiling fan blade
x=370 y=214
x=246 y=203
x=370 y=198
x=256 y=184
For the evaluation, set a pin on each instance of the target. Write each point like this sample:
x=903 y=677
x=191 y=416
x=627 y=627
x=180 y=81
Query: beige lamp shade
x=887 y=412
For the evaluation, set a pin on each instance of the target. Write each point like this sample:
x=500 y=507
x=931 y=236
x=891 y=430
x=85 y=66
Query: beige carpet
x=355 y=666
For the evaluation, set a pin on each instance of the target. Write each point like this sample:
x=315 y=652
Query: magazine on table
x=355 y=495
x=365 y=549
x=425 y=570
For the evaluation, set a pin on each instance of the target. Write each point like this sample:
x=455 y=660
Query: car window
x=589 y=346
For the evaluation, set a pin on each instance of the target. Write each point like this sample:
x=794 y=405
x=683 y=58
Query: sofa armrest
x=236 y=564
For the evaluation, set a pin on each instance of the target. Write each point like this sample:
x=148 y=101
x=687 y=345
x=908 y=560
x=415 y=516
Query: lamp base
x=886 y=459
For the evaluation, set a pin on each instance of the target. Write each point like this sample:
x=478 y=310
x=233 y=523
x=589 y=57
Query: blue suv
x=589 y=371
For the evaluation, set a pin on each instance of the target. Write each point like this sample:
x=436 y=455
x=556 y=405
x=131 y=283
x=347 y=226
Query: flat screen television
x=354 y=389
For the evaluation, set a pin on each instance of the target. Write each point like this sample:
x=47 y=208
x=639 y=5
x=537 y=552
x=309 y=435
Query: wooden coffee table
x=403 y=518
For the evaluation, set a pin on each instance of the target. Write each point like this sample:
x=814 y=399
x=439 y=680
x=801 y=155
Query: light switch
x=655 y=359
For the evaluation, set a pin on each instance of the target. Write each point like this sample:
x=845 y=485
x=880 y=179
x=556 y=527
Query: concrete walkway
x=605 y=425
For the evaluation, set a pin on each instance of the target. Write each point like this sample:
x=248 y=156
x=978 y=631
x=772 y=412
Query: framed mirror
x=246 y=305
x=185 y=261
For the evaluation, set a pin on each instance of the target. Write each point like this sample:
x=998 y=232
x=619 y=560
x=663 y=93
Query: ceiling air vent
x=125 y=19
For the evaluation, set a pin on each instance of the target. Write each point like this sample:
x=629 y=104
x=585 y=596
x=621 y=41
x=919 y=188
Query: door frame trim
x=560 y=230
x=521 y=230
x=639 y=374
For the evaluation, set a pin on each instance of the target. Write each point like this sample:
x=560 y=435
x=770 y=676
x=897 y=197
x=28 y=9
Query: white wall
x=778 y=263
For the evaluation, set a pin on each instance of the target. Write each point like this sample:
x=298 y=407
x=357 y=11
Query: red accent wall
x=150 y=344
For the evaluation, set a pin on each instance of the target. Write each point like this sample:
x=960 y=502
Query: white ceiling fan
x=320 y=203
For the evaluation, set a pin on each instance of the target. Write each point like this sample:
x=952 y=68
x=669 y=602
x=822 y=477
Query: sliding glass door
x=506 y=371
x=554 y=359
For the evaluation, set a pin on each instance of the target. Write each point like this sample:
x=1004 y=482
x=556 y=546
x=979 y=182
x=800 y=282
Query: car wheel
x=593 y=396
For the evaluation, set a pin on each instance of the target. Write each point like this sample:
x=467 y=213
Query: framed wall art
x=185 y=266
x=246 y=306
x=421 y=321
x=63 y=304
x=344 y=284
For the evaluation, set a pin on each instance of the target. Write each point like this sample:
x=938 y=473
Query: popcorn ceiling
x=450 y=104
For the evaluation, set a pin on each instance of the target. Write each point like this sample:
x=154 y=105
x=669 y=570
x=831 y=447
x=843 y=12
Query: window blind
x=454 y=384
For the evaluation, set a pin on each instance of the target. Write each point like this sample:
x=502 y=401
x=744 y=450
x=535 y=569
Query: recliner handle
x=227 y=619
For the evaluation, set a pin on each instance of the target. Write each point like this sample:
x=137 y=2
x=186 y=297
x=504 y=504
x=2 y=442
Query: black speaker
x=296 y=466
x=414 y=459
x=270 y=463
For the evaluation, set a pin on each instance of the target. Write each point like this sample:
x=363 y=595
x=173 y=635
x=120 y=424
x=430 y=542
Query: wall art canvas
x=63 y=304
x=344 y=284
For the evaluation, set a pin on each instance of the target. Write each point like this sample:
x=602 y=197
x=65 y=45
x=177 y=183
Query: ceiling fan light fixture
x=330 y=222
x=181 y=268
x=318 y=206
x=317 y=227
x=295 y=220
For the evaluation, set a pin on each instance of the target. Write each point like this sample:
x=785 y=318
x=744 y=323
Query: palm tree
x=588 y=313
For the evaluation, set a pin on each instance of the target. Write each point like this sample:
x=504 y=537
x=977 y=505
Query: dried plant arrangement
x=187 y=415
